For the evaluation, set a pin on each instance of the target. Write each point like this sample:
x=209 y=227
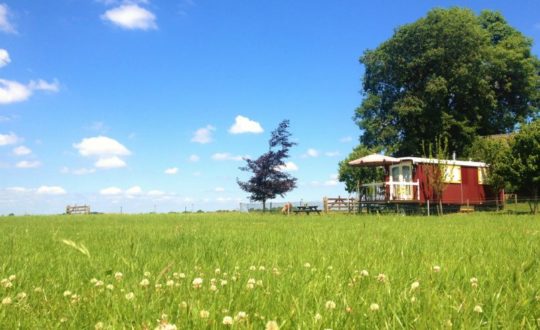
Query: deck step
x=466 y=209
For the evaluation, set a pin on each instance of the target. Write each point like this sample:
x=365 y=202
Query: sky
x=151 y=105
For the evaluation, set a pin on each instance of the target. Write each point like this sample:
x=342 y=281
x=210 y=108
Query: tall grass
x=472 y=271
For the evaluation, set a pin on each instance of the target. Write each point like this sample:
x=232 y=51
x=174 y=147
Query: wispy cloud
x=203 y=135
x=4 y=58
x=13 y=91
x=22 y=151
x=245 y=125
x=7 y=139
x=227 y=156
x=131 y=17
x=194 y=158
x=5 y=24
x=28 y=164
x=288 y=167
x=311 y=153
x=50 y=190
x=110 y=162
x=171 y=171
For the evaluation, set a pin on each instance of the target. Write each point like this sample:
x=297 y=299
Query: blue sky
x=152 y=103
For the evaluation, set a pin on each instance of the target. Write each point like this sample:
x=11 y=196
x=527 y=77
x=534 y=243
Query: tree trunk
x=264 y=205
x=440 y=207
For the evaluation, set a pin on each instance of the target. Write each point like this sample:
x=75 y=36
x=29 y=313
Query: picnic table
x=307 y=209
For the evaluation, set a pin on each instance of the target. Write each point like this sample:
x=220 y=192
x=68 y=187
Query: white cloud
x=172 y=170
x=331 y=153
x=194 y=158
x=28 y=164
x=101 y=146
x=5 y=24
x=346 y=139
x=22 y=151
x=13 y=91
x=219 y=189
x=135 y=190
x=18 y=189
x=245 y=125
x=333 y=180
x=311 y=153
x=42 y=85
x=50 y=190
x=288 y=167
x=111 y=191
x=7 y=139
x=110 y=162
x=4 y=57
x=203 y=135
x=131 y=17
x=227 y=156
x=156 y=193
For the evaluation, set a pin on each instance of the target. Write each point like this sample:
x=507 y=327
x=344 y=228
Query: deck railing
x=390 y=191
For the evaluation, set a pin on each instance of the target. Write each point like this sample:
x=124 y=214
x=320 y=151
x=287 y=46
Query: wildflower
x=99 y=283
x=234 y=278
x=67 y=293
x=12 y=278
x=118 y=276
x=170 y=283
x=276 y=271
x=145 y=282
x=217 y=271
x=38 y=289
x=213 y=288
x=272 y=325
x=262 y=268
x=415 y=285
x=3 y=281
x=227 y=320
x=130 y=296
x=165 y=326
x=252 y=268
x=99 y=326
x=6 y=301
x=110 y=287
x=436 y=269
x=348 y=309
x=413 y=299
x=204 y=314
x=75 y=298
x=158 y=286
x=223 y=282
x=197 y=283
x=93 y=281
x=147 y=274
x=307 y=265
x=474 y=282
x=478 y=309
x=317 y=317
x=330 y=304
x=175 y=275
x=382 y=278
x=182 y=275
x=374 y=307
x=251 y=283
x=21 y=295
x=7 y=284
x=240 y=316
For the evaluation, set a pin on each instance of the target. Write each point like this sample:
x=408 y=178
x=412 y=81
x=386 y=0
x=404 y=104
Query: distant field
x=303 y=272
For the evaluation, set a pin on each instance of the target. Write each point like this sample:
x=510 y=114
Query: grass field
x=303 y=272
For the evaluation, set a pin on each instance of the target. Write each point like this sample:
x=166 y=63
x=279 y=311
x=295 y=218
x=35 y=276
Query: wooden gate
x=340 y=204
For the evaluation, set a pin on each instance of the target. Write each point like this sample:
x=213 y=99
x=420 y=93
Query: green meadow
x=243 y=271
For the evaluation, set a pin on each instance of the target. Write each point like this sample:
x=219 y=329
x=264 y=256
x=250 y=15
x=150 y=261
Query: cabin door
x=401 y=176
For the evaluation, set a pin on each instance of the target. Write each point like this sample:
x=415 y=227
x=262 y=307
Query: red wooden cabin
x=406 y=181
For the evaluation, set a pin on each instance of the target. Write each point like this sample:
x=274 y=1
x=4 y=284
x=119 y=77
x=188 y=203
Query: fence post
x=325 y=204
x=428 y=207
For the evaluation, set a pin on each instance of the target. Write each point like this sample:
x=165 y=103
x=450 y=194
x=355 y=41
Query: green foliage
x=435 y=173
x=351 y=175
x=451 y=73
x=525 y=168
x=302 y=262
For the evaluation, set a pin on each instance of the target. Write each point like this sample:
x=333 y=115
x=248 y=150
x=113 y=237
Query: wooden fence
x=340 y=204
x=77 y=209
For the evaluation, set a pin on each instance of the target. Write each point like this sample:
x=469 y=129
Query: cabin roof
x=421 y=160
x=374 y=160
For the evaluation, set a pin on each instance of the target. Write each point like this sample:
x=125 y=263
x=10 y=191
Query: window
x=482 y=175
x=452 y=174
x=401 y=173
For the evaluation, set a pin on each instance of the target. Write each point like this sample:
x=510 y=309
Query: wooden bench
x=307 y=209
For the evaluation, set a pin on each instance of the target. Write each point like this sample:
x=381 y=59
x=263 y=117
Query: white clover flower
x=21 y=295
x=413 y=299
x=272 y=325
x=259 y=283
x=234 y=278
x=276 y=271
x=374 y=307
x=330 y=305
x=175 y=275
x=227 y=320
x=182 y=275
x=213 y=287
x=251 y=283
x=478 y=309
x=99 y=283
x=93 y=281
x=474 y=282
x=436 y=269
x=197 y=283
x=262 y=268
x=118 y=276
x=99 y=326
x=8 y=284
x=382 y=278
x=204 y=314
x=217 y=271
x=213 y=281
x=145 y=282
x=7 y=301
x=147 y=274
x=38 y=289
x=317 y=317
x=183 y=304
x=170 y=283
x=130 y=296
x=307 y=265
x=67 y=293
x=223 y=282
x=415 y=285
x=252 y=268
x=158 y=286
x=165 y=326
x=240 y=316
x=12 y=278
x=110 y=287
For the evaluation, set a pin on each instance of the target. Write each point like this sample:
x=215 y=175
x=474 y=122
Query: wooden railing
x=390 y=191
x=77 y=209
x=340 y=204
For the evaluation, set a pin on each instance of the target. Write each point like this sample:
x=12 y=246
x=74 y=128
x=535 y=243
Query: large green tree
x=352 y=175
x=453 y=74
